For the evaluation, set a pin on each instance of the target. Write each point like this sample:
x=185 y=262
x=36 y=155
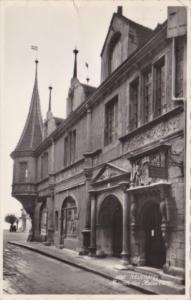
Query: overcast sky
x=55 y=29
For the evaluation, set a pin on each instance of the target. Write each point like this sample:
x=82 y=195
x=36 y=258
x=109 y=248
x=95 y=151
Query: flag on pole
x=34 y=48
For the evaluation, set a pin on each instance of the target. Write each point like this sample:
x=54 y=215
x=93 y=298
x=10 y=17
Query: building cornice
x=171 y=113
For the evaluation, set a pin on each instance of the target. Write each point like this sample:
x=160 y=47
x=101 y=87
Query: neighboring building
x=109 y=179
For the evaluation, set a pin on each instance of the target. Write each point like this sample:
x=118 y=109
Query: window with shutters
x=70 y=148
x=159 y=87
x=147 y=94
x=133 y=109
x=23 y=171
x=111 y=121
x=179 y=67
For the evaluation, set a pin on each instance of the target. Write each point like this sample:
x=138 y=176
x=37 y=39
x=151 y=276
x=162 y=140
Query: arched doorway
x=110 y=226
x=69 y=219
x=155 y=252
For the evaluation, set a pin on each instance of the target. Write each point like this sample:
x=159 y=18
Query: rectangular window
x=65 y=151
x=73 y=145
x=159 y=86
x=70 y=148
x=179 y=66
x=133 y=109
x=111 y=121
x=147 y=94
x=23 y=174
x=44 y=165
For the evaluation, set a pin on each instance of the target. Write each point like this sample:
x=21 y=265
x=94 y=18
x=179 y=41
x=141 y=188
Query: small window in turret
x=23 y=174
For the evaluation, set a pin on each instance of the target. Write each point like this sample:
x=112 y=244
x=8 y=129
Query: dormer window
x=115 y=52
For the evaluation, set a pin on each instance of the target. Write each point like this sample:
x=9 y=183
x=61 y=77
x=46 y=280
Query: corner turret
x=24 y=175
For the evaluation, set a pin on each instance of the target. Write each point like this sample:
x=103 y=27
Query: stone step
x=160 y=274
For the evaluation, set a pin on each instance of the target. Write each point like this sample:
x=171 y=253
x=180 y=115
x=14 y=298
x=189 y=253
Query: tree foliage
x=11 y=219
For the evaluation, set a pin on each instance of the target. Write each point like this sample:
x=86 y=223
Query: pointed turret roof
x=32 y=133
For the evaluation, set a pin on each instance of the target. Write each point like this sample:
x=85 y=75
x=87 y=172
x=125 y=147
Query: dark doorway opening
x=154 y=244
x=110 y=224
x=117 y=231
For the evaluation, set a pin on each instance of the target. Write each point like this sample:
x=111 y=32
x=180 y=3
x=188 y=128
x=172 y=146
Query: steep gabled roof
x=126 y=20
x=32 y=133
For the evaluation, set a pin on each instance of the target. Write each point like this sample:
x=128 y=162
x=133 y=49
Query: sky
x=56 y=27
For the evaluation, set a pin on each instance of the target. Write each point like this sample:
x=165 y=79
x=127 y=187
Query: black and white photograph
x=95 y=149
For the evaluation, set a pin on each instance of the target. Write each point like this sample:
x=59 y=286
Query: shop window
x=23 y=171
x=69 y=218
x=133 y=109
x=179 y=66
x=159 y=86
x=111 y=121
x=147 y=94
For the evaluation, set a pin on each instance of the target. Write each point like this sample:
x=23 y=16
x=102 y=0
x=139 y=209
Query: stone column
x=50 y=206
x=50 y=199
x=88 y=175
x=126 y=230
x=30 y=209
x=93 y=224
x=86 y=230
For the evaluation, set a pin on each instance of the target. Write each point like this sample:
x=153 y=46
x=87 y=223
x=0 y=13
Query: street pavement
x=27 y=272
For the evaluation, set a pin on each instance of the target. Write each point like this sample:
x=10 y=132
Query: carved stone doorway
x=155 y=252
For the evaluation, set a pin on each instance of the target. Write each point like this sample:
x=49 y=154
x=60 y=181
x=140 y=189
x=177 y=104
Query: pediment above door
x=110 y=173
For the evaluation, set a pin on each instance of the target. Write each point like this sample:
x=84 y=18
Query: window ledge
x=152 y=123
x=77 y=162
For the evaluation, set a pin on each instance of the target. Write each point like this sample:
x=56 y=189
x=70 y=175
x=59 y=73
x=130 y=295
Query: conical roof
x=33 y=130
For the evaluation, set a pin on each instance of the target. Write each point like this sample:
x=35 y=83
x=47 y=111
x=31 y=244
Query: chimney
x=120 y=10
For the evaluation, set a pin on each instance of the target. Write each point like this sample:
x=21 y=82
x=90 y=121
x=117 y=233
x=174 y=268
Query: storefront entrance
x=155 y=253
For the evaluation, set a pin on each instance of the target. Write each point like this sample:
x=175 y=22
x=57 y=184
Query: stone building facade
x=109 y=178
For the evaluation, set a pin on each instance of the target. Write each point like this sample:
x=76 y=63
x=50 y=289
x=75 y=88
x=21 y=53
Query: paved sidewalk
x=107 y=267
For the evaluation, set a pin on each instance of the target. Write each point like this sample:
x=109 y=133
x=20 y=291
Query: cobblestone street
x=26 y=272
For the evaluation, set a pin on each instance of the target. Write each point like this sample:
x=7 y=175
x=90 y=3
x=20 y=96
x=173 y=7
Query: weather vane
x=35 y=48
x=87 y=78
